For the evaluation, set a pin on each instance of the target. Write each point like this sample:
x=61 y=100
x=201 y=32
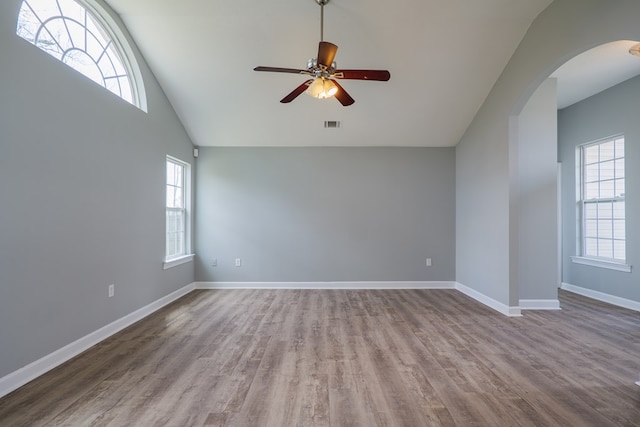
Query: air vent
x=333 y=124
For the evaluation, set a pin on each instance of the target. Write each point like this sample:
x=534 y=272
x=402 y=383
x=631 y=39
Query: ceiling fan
x=322 y=69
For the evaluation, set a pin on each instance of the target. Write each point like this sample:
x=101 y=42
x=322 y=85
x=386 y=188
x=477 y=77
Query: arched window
x=79 y=36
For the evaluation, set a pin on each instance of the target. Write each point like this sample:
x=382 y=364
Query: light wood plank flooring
x=348 y=358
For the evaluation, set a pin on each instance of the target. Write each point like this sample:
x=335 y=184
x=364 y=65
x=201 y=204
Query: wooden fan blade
x=282 y=70
x=296 y=92
x=342 y=95
x=326 y=53
x=377 y=75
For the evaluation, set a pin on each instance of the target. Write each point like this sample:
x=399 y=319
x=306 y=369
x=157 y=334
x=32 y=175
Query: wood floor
x=348 y=358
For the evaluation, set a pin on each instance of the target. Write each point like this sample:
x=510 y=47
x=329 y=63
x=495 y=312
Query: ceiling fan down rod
x=322 y=3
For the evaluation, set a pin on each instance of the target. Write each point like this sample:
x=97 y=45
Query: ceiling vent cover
x=333 y=124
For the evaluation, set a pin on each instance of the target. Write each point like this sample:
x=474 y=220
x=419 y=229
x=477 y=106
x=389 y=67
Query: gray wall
x=325 y=214
x=484 y=164
x=82 y=196
x=537 y=196
x=611 y=112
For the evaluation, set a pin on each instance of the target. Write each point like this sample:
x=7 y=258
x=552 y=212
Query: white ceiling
x=444 y=57
x=595 y=70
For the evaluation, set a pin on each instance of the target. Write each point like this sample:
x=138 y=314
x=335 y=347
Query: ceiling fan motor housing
x=320 y=70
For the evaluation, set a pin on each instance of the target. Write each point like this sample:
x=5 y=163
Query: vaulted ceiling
x=444 y=57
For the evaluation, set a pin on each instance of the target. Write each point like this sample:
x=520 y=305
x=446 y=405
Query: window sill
x=177 y=261
x=611 y=265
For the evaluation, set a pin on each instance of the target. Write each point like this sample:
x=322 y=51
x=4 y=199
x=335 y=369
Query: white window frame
x=616 y=177
x=185 y=254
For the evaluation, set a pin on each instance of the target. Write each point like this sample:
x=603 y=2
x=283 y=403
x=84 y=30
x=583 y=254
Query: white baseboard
x=601 y=296
x=539 y=304
x=33 y=370
x=489 y=302
x=325 y=285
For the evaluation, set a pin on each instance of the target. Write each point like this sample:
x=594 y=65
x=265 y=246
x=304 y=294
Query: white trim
x=611 y=265
x=489 y=302
x=178 y=261
x=539 y=304
x=325 y=285
x=601 y=296
x=33 y=370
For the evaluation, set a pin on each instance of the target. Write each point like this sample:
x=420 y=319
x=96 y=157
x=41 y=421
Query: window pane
x=179 y=198
x=115 y=60
x=605 y=248
x=591 y=191
x=106 y=66
x=591 y=228
x=175 y=241
x=619 y=147
x=605 y=210
x=591 y=210
x=126 y=92
x=606 y=151
x=607 y=170
x=619 y=250
x=171 y=197
x=591 y=247
x=72 y=10
x=97 y=32
x=175 y=197
x=44 y=9
x=591 y=173
x=171 y=171
x=605 y=229
x=77 y=32
x=619 y=229
x=590 y=154
x=620 y=168
x=607 y=189
x=113 y=85
x=179 y=175
x=28 y=24
x=619 y=188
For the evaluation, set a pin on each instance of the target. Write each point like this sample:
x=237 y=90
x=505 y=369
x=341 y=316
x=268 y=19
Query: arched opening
x=583 y=101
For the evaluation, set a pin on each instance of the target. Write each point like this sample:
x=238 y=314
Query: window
x=177 y=213
x=601 y=201
x=80 y=37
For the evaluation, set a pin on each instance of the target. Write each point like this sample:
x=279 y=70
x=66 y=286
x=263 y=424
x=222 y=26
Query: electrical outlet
x=112 y=290
x=428 y=262
x=214 y=262
x=238 y=262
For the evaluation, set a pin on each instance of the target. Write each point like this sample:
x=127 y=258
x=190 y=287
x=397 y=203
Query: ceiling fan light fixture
x=322 y=88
